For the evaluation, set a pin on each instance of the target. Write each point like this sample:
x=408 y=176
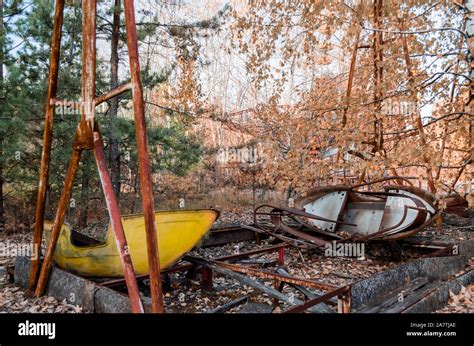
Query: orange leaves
x=299 y=56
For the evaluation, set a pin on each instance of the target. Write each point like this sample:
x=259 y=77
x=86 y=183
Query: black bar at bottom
x=314 y=329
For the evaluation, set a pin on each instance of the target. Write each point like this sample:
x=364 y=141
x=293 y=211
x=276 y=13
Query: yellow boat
x=178 y=232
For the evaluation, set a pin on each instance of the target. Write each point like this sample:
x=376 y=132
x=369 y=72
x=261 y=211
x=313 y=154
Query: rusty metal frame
x=280 y=249
x=344 y=301
x=343 y=293
x=274 y=276
x=277 y=213
x=382 y=180
x=87 y=138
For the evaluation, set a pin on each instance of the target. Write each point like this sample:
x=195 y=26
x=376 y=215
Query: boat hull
x=177 y=231
x=371 y=216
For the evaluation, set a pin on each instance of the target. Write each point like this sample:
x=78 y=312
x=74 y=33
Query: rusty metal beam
x=287 y=240
x=280 y=225
x=344 y=303
x=116 y=223
x=381 y=180
x=272 y=292
x=58 y=221
x=274 y=276
x=112 y=93
x=310 y=303
x=252 y=252
x=47 y=139
x=144 y=159
x=89 y=9
x=183 y=267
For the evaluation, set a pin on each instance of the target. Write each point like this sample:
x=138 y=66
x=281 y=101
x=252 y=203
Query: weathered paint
x=58 y=221
x=47 y=138
x=143 y=158
x=178 y=232
x=116 y=224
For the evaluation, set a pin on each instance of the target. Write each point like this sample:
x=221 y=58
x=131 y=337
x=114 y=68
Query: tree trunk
x=114 y=153
x=470 y=32
x=418 y=119
x=2 y=93
x=378 y=78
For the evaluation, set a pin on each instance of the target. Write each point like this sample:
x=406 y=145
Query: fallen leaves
x=15 y=300
x=463 y=302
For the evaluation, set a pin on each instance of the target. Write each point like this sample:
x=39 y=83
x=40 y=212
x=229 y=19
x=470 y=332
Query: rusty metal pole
x=58 y=221
x=281 y=256
x=143 y=159
x=83 y=139
x=47 y=138
x=344 y=303
x=116 y=222
x=89 y=9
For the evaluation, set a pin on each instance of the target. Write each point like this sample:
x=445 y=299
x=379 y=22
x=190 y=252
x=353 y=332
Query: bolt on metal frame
x=88 y=138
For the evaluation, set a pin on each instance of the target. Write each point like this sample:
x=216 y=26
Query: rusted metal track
x=277 y=213
x=236 y=274
x=183 y=267
x=274 y=276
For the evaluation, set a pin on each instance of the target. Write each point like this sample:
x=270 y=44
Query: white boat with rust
x=342 y=212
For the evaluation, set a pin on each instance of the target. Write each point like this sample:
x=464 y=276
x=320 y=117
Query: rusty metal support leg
x=347 y=303
x=344 y=302
x=58 y=221
x=47 y=137
x=278 y=285
x=89 y=61
x=144 y=159
x=206 y=277
x=281 y=256
x=116 y=222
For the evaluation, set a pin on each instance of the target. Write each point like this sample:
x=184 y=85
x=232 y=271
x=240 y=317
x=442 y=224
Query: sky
x=222 y=72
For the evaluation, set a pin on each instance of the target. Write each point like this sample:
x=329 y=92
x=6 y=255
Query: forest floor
x=187 y=296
